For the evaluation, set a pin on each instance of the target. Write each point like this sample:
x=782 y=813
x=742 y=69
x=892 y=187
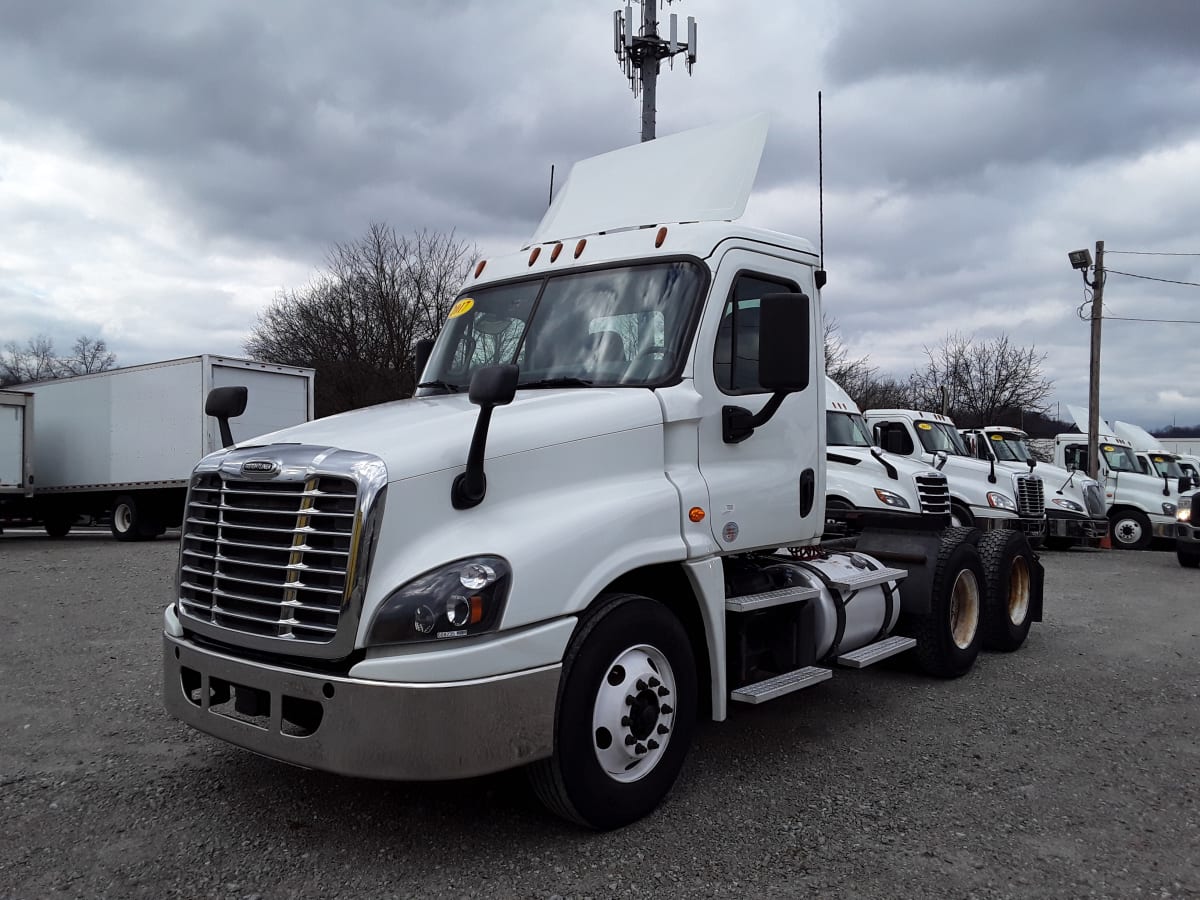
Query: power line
x=1152 y=278
x=1149 y=253
x=1165 y=321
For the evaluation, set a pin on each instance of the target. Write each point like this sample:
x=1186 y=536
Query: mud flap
x=1037 y=583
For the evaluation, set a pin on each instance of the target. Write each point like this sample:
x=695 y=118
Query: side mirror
x=491 y=386
x=1185 y=484
x=223 y=404
x=421 y=352
x=784 y=342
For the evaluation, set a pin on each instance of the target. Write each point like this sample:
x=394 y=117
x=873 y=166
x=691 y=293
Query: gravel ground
x=1065 y=770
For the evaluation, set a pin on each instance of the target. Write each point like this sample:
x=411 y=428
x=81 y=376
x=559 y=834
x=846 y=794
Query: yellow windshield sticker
x=1108 y=449
x=997 y=437
x=925 y=426
x=1159 y=459
x=462 y=307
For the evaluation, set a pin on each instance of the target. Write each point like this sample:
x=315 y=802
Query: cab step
x=762 y=691
x=865 y=578
x=873 y=653
x=755 y=602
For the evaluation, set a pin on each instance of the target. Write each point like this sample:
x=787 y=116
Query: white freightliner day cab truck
x=862 y=481
x=1075 y=510
x=566 y=548
x=980 y=495
x=124 y=442
x=1140 y=507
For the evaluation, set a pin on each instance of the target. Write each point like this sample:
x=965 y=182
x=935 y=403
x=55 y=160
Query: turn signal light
x=696 y=514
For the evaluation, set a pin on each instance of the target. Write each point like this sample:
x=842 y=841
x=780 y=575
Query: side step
x=762 y=691
x=865 y=578
x=873 y=653
x=753 y=602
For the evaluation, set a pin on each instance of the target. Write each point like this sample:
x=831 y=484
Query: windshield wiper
x=565 y=381
x=444 y=385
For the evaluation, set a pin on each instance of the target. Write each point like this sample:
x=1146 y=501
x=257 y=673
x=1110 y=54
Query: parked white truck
x=1075 y=510
x=16 y=449
x=980 y=494
x=862 y=482
x=567 y=547
x=1140 y=507
x=123 y=443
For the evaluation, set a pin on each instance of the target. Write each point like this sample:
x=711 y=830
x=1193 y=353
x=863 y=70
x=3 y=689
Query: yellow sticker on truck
x=997 y=437
x=925 y=426
x=461 y=308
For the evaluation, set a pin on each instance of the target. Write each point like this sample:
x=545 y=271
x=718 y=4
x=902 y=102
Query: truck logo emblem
x=265 y=468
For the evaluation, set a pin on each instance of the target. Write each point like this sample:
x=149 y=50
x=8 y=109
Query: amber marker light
x=533 y=255
x=476 y=610
x=696 y=514
x=662 y=236
x=479 y=267
x=554 y=253
x=579 y=247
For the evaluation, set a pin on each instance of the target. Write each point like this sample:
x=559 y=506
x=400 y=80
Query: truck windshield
x=1166 y=465
x=620 y=326
x=937 y=436
x=1120 y=459
x=1008 y=448
x=846 y=430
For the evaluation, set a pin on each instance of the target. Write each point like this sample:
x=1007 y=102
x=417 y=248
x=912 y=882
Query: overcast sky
x=166 y=167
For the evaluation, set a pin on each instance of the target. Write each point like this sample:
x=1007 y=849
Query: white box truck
x=124 y=442
x=16 y=447
x=574 y=542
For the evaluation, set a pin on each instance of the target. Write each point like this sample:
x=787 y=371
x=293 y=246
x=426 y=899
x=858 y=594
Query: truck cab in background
x=1075 y=510
x=863 y=483
x=981 y=494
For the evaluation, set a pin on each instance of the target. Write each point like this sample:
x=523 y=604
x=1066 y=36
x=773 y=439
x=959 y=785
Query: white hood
x=427 y=434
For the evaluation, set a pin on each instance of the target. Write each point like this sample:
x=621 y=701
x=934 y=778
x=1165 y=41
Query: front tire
x=625 y=715
x=1131 y=529
x=1188 y=560
x=949 y=636
x=131 y=520
x=1008 y=564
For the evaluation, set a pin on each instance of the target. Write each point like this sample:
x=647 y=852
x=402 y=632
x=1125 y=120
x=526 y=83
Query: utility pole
x=640 y=54
x=1094 y=378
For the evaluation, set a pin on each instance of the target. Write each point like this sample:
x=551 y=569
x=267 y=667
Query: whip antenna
x=819 y=276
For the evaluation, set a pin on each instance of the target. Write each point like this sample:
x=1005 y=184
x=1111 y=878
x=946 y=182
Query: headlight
x=457 y=600
x=888 y=498
x=1184 y=512
x=1000 y=501
x=1067 y=504
x=1168 y=509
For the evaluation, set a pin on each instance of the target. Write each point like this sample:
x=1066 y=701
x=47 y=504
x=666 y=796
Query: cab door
x=769 y=489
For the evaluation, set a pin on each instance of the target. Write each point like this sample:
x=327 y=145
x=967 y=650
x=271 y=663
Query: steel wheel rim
x=964 y=609
x=633 y=715
x=1018 y=591
x=123 y=518
x=1128 y=531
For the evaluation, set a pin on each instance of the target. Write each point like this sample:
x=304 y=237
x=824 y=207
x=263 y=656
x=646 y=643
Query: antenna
x=819 y=276
x=640 y=54
x=551 y=200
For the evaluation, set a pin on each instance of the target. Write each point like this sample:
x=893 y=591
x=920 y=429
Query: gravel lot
x=1066 y=770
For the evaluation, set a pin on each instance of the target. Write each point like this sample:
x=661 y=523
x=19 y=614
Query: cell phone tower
x=639 y=53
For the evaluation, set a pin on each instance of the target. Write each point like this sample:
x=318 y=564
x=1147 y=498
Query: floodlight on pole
x=640 y=52
x=1080 y=259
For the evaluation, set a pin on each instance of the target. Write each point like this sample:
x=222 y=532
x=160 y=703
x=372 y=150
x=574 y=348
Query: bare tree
x=357 y=322
x=983 y=380
x=36 y=361
x=857 y=377
x=88 y=355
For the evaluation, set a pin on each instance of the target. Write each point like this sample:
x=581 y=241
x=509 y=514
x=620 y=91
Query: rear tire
x=131 y=520
x=1130 y=529
x=58 y=525
x=1188 y=560
x=1008 y=563
x=950 y=635
x=625 y=714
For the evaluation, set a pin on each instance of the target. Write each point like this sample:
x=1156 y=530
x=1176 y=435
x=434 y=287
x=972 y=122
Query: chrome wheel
x=1018 y=591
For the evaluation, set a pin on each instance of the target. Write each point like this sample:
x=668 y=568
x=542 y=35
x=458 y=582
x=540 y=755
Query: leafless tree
x=358 y=320
x=982 y=380
x=88 y=355
x=867 y=387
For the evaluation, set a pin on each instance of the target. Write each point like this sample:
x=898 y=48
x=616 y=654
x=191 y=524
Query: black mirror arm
x=470 y=486
x=992 y=471
x=891 y=470
x=739 y=423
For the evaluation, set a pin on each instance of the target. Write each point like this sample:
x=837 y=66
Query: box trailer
x=16 y=444
x=124 y=442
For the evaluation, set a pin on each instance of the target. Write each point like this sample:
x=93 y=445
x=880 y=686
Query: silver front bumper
x=1076 y=527
x=369 y=729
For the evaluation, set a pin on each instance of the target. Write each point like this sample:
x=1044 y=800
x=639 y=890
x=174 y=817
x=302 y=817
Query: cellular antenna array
x=640 y=51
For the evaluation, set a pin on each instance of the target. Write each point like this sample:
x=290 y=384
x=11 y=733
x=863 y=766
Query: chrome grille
x=1094 y=498
x=934 y=492
x=268 y=558
x=1031 y=498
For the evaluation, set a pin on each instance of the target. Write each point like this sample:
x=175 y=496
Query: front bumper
x=1075 y=527
x=1187 y=537
x=1164 y=529
x=368 y=729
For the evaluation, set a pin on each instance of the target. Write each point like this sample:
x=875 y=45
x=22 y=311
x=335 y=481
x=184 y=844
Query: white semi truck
x=1140 y=507
x=571 y=544
x=122 y=443
x=1075 y=510
x=862 y=482
x=980 y=494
